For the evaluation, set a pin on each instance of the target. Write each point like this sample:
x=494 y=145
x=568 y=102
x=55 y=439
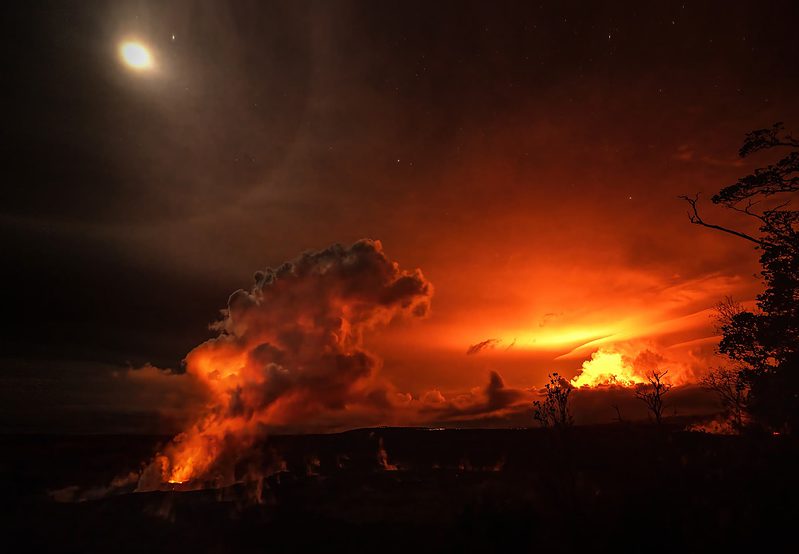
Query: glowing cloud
x=607 y=368
x=290 y=350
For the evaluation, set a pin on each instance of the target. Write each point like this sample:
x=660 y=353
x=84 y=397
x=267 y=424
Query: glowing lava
x=290 y=349
x=608 y=368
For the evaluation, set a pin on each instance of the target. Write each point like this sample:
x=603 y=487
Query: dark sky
x=526 y=156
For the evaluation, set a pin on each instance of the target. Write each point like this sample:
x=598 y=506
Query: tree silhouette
x=733 y=392
x=764 y=342
x=729 y=384
x=652 y=393
x=554 y=410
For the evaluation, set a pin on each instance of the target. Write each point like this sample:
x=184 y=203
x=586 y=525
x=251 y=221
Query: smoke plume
x=289 y=350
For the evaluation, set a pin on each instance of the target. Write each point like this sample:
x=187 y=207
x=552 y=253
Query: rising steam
x=290 y=350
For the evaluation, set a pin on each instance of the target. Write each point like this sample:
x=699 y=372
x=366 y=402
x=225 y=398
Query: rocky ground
x=628 y=488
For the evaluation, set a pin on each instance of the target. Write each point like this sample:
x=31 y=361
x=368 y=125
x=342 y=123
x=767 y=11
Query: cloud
x=588 y=405
x=491 y=400
x=290 y=350
x=482 y=345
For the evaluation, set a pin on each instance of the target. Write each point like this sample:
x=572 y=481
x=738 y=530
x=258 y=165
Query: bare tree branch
x=696 y=219
x=653 y=392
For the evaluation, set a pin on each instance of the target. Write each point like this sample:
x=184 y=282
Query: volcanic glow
x=608 y=368
x=290 y=355
x=290 y=350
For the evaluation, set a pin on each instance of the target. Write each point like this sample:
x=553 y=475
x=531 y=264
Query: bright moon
x=136 y=55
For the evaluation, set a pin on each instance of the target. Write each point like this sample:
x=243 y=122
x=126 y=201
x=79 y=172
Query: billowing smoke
x=627 y=365
x=290 y=349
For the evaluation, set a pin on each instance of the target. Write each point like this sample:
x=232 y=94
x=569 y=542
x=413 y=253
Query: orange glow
x=191 y=458
x=557 y=338
x=607 y=368
x=289 y=350
x=277 y=362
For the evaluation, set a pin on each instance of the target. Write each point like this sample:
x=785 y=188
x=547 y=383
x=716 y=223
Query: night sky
x=526 y=157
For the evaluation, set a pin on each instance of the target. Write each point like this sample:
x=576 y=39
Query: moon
x=136 y=55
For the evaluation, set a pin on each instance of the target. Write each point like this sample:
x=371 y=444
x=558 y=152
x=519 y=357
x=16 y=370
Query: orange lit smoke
x=607 y=368
x=612 y=368
x=289 y=350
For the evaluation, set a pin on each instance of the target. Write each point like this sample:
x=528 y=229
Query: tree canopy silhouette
x=554 y=410
x=764 y=342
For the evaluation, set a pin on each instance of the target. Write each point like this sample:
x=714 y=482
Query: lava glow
x=289 y=350
x=290 y=354
x=608 y=368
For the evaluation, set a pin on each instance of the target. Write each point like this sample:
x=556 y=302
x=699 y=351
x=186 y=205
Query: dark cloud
x=490 y=401
x=589 y=406
x=482 y=345
x=106 y=399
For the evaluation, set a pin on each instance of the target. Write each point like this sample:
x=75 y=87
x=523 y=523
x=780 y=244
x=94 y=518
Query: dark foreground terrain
x=599 y=489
